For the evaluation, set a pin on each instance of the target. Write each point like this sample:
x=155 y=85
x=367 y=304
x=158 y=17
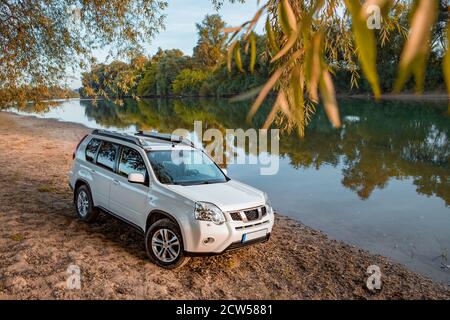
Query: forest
x=170 y=73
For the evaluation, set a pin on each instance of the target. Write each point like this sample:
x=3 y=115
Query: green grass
x=17 y=237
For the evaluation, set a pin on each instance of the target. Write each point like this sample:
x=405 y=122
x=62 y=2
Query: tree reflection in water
x=377 y=142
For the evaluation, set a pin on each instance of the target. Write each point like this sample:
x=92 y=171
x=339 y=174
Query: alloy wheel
x=166 y=245
x=82 y=203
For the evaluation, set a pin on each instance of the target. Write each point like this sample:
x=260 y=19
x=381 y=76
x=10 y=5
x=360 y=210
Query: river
x=381 y=182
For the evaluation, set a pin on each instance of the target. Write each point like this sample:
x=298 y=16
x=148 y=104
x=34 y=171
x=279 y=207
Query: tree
x=169 y=66
x=224 y=83
x=190 y=82
x=161 y=71
x=302 y=43
x=210 y=49
x=41 y=40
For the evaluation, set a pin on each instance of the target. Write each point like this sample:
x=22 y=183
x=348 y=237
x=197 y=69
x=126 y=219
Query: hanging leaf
x=366 y=45
x=271 y=37
x=417 y=47
x=329 y=98
x=247 y=95
x=283 y=19
x=232 y=29
x=297 y=88
x=237 y=57
x=230 y=54
x=313 y=66
x=253 y=22
x=271 y=117
x=288 y=15
x=289 y=44
x=252 y=52
x=283 y=103
x=446 y=64
x=264 y=92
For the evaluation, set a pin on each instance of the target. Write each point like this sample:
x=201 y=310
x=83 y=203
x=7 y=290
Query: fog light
x=208 y=241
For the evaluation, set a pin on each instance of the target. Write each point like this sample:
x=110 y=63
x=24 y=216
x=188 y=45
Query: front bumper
x=227 y=236
x=234 y=246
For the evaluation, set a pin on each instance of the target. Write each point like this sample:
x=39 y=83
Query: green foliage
x=327 y=51
x=211 y=45
x=147 y=85
x=170 y=72
x=41 y=40
x=169 y=65
x=116 y=80
x=190 y=82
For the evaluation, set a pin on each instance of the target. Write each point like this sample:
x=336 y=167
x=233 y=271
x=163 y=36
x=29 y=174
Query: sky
x=180 y=31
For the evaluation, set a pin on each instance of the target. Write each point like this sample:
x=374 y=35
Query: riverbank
x=41 y=238
x=429 y=96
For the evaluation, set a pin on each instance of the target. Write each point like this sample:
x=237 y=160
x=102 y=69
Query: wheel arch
x=78 y=184
x=156 y=215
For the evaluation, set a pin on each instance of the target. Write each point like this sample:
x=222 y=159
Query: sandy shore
x=40 y=238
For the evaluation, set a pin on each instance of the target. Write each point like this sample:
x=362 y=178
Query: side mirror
x=136 y=178
x=225 y=171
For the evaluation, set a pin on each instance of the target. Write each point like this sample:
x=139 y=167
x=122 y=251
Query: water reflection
x=378 y=142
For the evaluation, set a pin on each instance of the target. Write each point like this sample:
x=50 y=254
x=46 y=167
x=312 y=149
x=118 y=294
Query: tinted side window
x=131 y=162
x=91 y=149
x=107 y=155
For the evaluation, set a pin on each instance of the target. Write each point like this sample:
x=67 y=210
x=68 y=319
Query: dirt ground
x=40 y=237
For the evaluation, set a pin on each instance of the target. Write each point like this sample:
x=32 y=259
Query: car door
x=127 y=199
x=88 y=171
x=104 y=172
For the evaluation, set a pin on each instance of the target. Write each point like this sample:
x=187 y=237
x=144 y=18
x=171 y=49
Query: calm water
x=382 y=182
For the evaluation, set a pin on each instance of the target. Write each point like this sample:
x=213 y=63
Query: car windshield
x=185 y=167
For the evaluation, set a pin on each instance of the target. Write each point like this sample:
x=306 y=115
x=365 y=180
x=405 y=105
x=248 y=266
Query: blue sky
x=180 y=31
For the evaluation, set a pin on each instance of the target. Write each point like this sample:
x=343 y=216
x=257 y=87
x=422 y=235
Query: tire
x=84 y=204
x=162 y=233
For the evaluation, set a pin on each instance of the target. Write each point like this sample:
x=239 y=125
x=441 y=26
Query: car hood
x=228 y=196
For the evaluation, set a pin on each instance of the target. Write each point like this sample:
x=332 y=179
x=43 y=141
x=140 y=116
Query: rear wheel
x=84 y=204
x=164 y=244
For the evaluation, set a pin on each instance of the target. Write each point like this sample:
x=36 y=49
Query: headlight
x=208 y=212
x=268 y=203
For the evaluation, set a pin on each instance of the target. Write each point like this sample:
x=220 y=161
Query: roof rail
x=165 y=137
x=119 y=136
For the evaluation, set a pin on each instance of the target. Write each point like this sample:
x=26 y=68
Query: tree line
x=171 y=73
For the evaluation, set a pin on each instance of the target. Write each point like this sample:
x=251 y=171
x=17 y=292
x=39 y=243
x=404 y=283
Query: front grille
x=236 y=216
x=252 y=225
x=252 y=215
x=249 y=215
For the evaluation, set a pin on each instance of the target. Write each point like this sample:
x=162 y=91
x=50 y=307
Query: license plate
x=254 y=235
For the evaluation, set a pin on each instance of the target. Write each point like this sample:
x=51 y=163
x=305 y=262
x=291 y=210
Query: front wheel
x=164 y=244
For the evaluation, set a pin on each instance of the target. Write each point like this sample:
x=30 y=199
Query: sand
x=40 y=238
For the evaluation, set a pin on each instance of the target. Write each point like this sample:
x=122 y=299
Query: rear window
x=91 y=149
x=107 y=155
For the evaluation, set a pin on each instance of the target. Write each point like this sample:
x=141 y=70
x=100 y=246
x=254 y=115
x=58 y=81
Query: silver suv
x=171 y=191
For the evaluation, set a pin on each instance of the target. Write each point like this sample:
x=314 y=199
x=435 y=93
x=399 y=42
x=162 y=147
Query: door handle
x=116 y=182
x=92 y=171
